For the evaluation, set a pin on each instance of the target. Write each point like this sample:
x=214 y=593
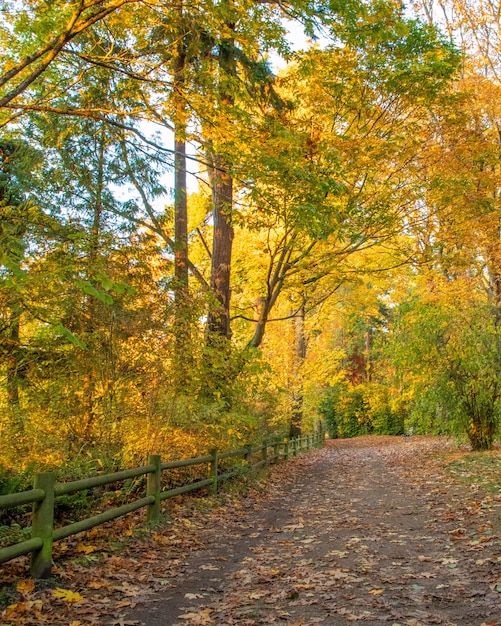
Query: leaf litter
x=370 y=530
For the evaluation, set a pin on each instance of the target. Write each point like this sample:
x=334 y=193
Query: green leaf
x=71 y=337
x=106 y=283
x=92 y=291
x=13 y=266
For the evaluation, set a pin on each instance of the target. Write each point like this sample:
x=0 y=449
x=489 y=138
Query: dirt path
x=362 y=530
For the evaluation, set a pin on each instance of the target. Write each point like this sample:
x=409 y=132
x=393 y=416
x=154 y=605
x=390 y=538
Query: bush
x=354 y=410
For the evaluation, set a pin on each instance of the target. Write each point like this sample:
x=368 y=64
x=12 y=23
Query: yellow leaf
x=25 y=586
x=86 y=549
x=11 y=611
x=128 y=532
x=31 y=605
x=67 y=595
x=376 y=592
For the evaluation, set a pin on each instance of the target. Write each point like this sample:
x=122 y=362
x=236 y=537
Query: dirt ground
x=365 y=530
x=370 y=530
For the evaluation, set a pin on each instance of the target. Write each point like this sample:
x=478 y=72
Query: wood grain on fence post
x=213 y=470
x=42 y=525
x=153 y=488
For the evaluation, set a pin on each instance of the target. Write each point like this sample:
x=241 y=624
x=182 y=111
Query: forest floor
x=375 y=530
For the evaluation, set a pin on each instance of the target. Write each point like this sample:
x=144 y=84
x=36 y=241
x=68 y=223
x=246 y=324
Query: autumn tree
x=338 y=170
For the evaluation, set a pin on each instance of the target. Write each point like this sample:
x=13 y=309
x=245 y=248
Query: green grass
x=478 y=469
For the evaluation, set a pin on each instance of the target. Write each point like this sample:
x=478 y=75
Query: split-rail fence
x=46 y=490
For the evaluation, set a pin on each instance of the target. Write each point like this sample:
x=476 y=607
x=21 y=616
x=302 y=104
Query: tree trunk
x=180 y=218
x=12 y=336
x=222 y=198
x=369 y=340
x=218 y=322
x=481 y=432
x=14 y=370
x=300 y=355
x=182 y=311
x=92 y=306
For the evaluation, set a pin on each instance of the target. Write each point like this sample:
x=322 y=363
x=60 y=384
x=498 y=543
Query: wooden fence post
x=286 y=449
x=276 y=452
x=213 y=470
x=153 y=488
x=42 y=525
x=248 y=453
x=265 y=453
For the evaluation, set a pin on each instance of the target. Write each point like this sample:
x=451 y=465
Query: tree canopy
x=200 y=248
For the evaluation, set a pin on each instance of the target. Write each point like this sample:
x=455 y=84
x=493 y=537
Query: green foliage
x=364 y=409
x=449 y=359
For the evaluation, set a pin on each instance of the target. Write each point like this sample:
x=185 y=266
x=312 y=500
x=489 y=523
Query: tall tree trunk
x=182 y=313
x=13 y=367
x=180 y=192
x=12 y=350
x=92 y=304
x=369 y=340
x=300 y=356
x=218 y=322
x=180 y=219
x=222 y=197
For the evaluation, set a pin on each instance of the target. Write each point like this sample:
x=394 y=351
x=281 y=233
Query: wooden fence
x=46 y=490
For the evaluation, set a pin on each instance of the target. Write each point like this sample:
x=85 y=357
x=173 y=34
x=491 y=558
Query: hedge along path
x=367 y=530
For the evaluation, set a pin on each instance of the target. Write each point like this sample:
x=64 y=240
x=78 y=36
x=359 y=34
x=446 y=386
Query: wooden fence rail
x=46 y=490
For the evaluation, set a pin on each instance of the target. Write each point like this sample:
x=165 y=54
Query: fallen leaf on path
x=86 y=549
x=200 y=618
x=25 y=586
x=67 y=595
